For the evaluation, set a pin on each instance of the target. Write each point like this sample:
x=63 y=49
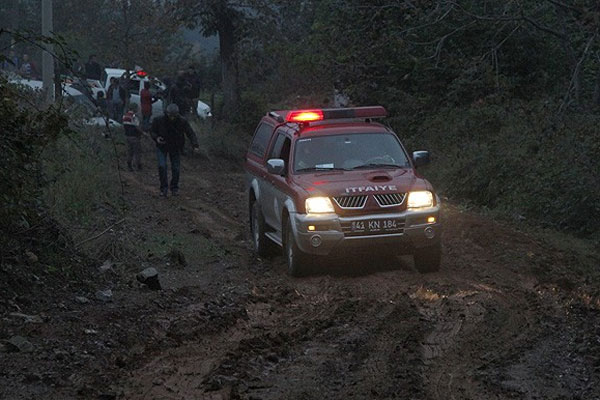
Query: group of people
x=20 y=65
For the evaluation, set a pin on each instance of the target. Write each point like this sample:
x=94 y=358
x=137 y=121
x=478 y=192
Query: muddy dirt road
x=510 y=315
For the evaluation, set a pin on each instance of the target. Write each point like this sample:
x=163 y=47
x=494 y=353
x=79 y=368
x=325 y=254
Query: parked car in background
x=77 y=104
x=203 y=110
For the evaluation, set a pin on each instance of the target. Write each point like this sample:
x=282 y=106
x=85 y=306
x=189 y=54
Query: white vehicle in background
x=78 y=103
x=136 y=84
x=203 y=110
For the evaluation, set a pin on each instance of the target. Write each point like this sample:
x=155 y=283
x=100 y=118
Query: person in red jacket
x=146 y=101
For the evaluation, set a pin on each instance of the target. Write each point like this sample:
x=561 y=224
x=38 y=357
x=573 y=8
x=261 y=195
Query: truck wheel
x=427 y=259
x=257 y=229
x=296 y=258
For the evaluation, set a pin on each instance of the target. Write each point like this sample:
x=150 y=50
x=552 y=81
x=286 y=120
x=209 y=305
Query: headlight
x=420 y=199
x=319 y=205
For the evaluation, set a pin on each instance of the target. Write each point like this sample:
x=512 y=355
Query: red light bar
x=141 y=74
x=335 y=113
x=305 y=116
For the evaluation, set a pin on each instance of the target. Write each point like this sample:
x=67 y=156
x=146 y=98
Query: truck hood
x=347 y=183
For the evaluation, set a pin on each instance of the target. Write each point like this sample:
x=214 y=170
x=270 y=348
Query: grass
x=82 y=183
x=195 y=248
x=223 y=140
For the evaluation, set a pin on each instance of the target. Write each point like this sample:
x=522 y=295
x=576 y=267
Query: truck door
x=255 y=161
x=276 y=188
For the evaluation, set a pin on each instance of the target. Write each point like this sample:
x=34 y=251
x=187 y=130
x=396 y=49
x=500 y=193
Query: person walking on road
x=133 y=135
x=169 y=131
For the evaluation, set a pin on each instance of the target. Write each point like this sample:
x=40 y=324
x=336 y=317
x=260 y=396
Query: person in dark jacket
x=178 y=95
x=93 y=69
x=169 y=132
x=101 y=103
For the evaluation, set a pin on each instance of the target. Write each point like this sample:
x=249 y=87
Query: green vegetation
x=26 y=130
x=222 y=139
x=193 y=247
x=82 y=178
x=508 y=159
x=504 y=94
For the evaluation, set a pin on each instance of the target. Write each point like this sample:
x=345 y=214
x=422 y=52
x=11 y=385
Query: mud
x=510 y=315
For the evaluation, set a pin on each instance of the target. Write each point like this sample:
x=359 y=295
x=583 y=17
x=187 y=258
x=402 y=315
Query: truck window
x=261 y=140
x=281 y=149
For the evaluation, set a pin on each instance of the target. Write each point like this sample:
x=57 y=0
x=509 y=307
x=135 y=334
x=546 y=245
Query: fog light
x=429 y=233
x=311 y=228
x=315 y=240
x=431 y=220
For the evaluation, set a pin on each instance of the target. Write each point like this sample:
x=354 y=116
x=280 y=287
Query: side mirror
x=276 y=166
x=421 y=158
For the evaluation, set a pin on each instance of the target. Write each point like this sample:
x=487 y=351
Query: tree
x=225 y=19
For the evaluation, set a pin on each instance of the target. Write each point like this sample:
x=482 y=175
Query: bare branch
x=576 y=71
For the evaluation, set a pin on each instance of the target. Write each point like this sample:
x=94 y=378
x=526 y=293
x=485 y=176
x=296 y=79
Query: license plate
x=375 y=226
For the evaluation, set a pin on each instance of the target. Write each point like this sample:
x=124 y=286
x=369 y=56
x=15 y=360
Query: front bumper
x=329 y=237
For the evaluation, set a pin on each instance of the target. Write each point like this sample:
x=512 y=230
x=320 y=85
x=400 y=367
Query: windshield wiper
x=377 y=165
x=320 y=169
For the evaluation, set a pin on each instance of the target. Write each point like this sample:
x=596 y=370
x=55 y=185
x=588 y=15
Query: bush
x=81 y=177
x=514 y=160
x=25 y=130
x=222 y=139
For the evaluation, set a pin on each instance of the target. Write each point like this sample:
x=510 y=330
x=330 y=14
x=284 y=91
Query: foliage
x=25 y=131
x=81 y=178
x=493 y=88
x=121 y=33
x=222 y=139
x=513 y=160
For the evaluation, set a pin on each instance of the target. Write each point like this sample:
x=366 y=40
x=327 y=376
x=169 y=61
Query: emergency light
x=314 y=115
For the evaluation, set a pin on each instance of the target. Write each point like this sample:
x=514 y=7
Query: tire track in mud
x=475 y=327
x=333 y=349
x=217 y=223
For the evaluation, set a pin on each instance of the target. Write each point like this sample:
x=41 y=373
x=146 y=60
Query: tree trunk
x=14 y=17
x=229 y=67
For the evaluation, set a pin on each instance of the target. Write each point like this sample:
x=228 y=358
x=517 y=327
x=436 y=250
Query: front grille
x=390 y=200
x=351 y=202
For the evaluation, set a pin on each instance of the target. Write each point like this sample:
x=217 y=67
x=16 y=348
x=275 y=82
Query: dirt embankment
x=509 y=315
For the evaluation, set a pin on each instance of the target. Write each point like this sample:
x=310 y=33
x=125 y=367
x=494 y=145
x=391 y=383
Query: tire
x=296 y=259
x=261 y=243
x=428 y=259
